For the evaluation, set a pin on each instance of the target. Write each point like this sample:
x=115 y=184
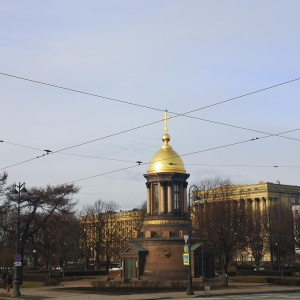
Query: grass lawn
x=27 y=284
x=254 y=279
x=259 y=279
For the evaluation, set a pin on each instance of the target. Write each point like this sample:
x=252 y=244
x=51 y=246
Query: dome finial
x=166 y=160
x=165 y=119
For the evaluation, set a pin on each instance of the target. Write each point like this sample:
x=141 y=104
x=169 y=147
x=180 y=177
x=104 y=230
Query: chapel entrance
x=130 y=268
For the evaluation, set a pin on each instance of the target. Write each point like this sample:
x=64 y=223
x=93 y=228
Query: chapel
x=156 y=252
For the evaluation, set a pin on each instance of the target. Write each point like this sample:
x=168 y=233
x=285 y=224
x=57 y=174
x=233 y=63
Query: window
x=155 y=197
x=293 y=200
x=176 y=197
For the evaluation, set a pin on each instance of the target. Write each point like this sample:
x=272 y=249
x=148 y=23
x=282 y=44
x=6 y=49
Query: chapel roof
x=166 y=160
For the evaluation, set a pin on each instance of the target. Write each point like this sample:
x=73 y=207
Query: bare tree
x=280 y=231
x=60 y=237
x=84 y=231
x=257 y=235
x=92 y=227
x=7 y=236
x=111 y=237
x=220 y=220
x=98 y=231
x=297 y=234
x=37 y=210
x=3 y=179
x=142 y=210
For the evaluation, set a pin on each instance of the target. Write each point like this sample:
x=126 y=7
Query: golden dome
x=166 y=160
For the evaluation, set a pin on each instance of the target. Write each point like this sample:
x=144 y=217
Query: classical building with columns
x=270 y=205
x=265 y=193
x=262 y=196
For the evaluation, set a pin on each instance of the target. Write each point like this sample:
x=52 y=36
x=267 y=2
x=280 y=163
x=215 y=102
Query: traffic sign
x=17 y=264
x=18 y=257
x=186 y=259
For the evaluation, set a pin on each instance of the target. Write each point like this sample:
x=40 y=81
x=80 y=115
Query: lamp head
x=197 y=199
x=14 y=193
x=23 y=191
x=186 y=238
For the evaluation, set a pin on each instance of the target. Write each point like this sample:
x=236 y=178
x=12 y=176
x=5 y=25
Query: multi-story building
x=106 y=233
x=264 y=193
x=264 y=198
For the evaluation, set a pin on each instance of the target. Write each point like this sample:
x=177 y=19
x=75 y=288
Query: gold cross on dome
x=165 y=119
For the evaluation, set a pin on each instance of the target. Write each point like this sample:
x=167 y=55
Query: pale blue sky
x=174 y=55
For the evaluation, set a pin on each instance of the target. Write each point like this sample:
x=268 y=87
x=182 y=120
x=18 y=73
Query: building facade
x=273 y=206
x=276 y=197
x=106 y=233
x=156 y=252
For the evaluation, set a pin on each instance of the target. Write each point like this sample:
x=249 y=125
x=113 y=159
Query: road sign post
x=18 y=257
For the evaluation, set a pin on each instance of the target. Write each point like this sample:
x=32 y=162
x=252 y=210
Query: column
x=148 y=185
x=264 y=206
x=257 y=204
x=185 y=208
x=162 y=205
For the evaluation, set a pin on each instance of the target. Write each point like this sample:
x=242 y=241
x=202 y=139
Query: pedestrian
x=4 y=278
x=8 y=282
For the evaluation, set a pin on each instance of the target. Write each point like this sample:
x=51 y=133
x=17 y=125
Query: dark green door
x=130 y=268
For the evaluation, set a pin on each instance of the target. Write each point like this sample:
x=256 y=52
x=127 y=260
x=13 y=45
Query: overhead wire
x=105 y=173
x=138 y=127
x=245 y=128
x=186 y=114
x=20 y=145
x=77 y=145
x=138 y=163
x=118 y=133
x=225 y=146
x=96 y=157
x=247 y=94
x=145 y=106
x=186 y=154
x=249 y=166
x=77 y=91
x=79 y=155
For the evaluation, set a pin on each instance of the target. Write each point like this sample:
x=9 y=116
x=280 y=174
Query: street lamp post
x=189 y=281
x=63 y=260
x=50 y=260
x=202 y=266
x=278 y=263
x=197 y=201
x=19 y=190
x=123 y=262
x=35 y=257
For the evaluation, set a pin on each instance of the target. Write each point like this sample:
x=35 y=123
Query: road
x=69 y=291
x=46 y=295
x=264 y=296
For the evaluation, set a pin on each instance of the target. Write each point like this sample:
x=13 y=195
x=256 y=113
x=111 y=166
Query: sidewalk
x=64 y=292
